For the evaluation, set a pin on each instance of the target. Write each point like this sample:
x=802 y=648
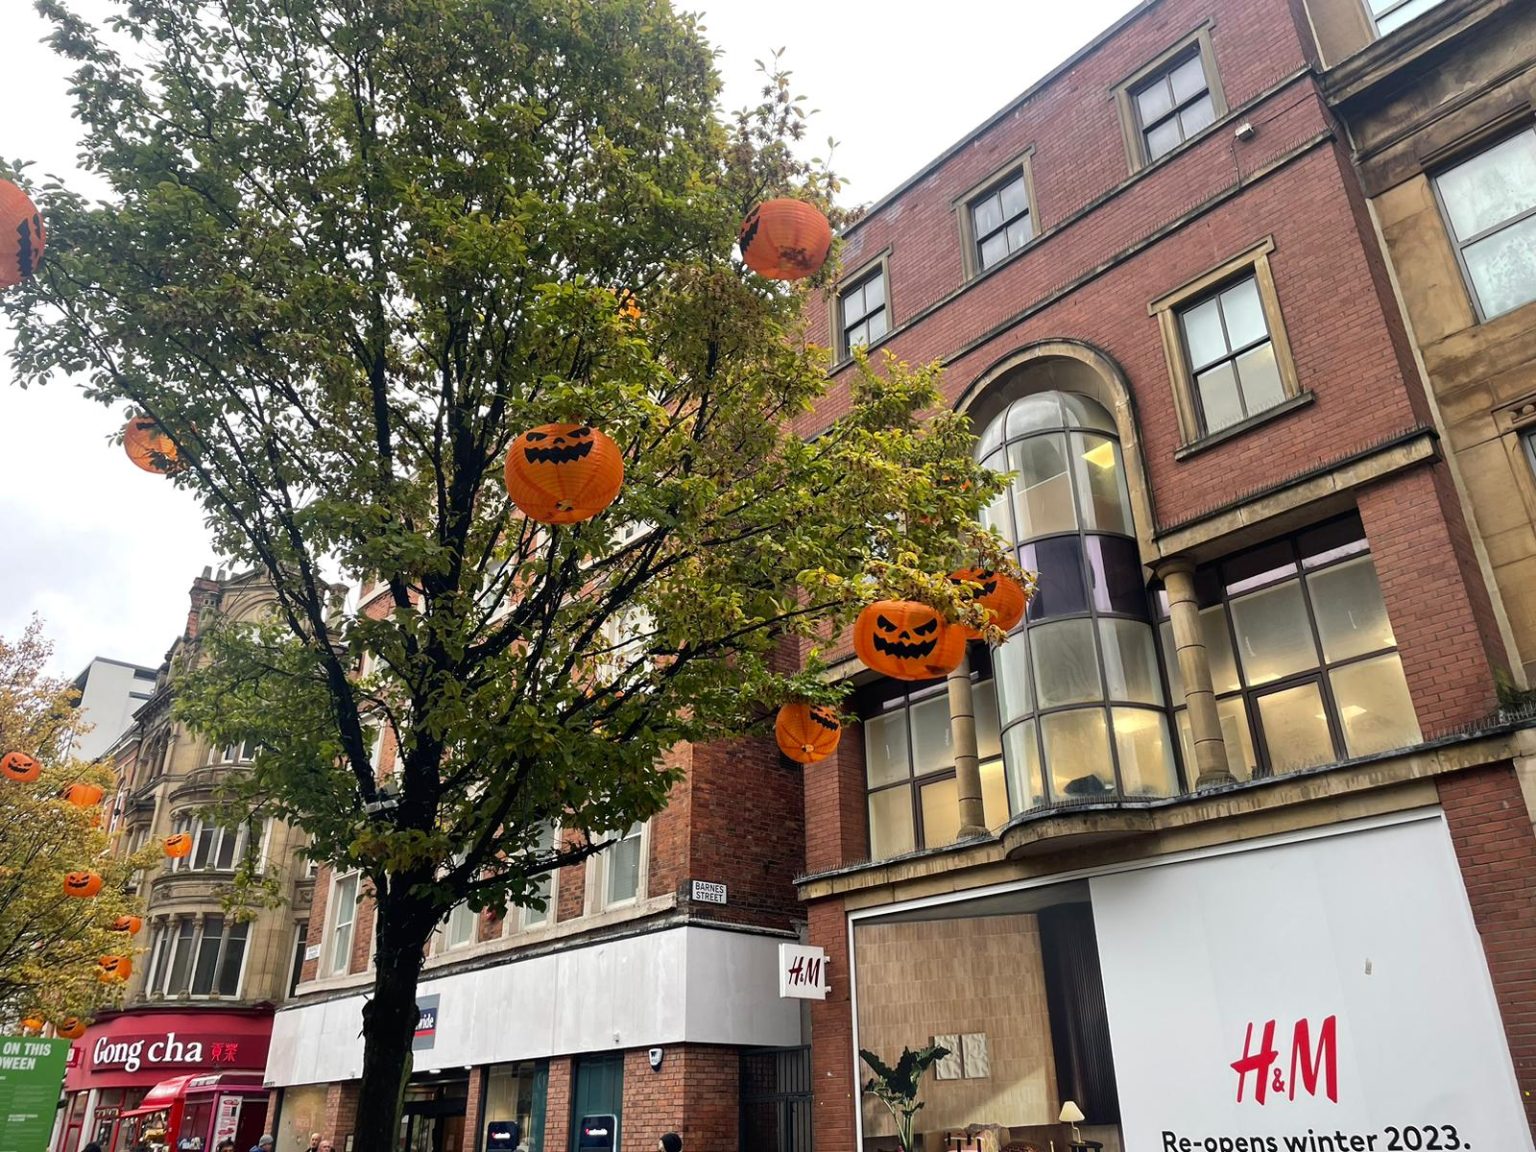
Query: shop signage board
x=803 y=972
x=1322 y=995
x=426 y=1026
x=31 y=1076
x=228 y=1119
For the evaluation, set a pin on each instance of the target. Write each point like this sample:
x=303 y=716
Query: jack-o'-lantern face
x=31 y=1024
x=114 y=969
x=22 y=235
x=177 y=845
x=1001 y=595
x=907 y=640
x=82 y=885
x=128 y=924
x=563 y=473
x=20 y=766
x=807 y=733
x=71 y=1028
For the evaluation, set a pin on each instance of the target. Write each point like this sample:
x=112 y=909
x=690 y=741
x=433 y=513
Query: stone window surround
x=596 y=897
x=164 y=942
x=882 y=261
x=1255 y=262
x=970 y=259
x=328 y=934
x=1122 y=92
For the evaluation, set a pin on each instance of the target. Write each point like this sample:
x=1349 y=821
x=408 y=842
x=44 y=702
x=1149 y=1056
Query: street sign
x=705 y=892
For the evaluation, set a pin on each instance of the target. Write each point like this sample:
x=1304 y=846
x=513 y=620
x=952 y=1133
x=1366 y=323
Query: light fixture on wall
x=1073 y=1115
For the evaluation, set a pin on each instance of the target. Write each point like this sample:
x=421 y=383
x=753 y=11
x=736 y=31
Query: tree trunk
x=389 y=1023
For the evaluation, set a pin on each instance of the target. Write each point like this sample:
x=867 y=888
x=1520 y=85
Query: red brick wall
x=836 y=816
x=472 y=1109
x=668 y=866
x=341 y=1102
x=1429 y=599
x=695 y=1093
x=572 y=887
x=557 y=1106
x=1491 y=830
x=834 y=1080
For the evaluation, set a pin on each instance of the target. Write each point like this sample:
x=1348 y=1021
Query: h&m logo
x=1309 y=1064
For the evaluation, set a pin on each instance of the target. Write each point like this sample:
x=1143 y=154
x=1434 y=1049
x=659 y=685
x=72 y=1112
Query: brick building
x=1257 y=869
x=632 y=995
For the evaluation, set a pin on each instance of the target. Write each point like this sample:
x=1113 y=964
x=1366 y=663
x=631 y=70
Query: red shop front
x=114 y=1066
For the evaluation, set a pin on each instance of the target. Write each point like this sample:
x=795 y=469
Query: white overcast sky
x=105 y=553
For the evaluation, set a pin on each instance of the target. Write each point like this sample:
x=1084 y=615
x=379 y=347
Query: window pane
x=1186 y=746
x=1218 y=648
x=181 y=961
x=1012 y=664
x=876 y=327
x=208 y=955
x=874 y=292
x=227 y=844
x=1188 y=79
x=1101 y=485
x=1042 y=410
x=994 y=794
x=994 y=249
x=1164 y=138
x=624 y=867
x=1130 y=662
x=1203 y=333
x=941 y=812
x=1058 y=568
x=1259 y=566
x=1020 y=232
x=1021 y=759
x=234 y=955
x=1077 y=753
x=1197 y=117
x=885 y=748
x=890 y=823
x=1491 y=187
x=1295 y=730
x=1154 y=101
x=988 y=215
x=1081 y=412
x=1066 y=668
x=856 y=337
x=1233 y=715
x=1244 y=313
x=207 y=837
x=1013 y=198
x=997 y=517
x=1260 y=377
x=1042 y=489
x=1219 y=399
x=984 y=701
x=931 y=747
x=1146 y=760
x=853 y=306
x=1351 y=617
x=1114 y=568
x=1503 y=268
x=1171 y=662
x=1374 y=705
x=342 y=914
x=1332 y=542
x=1273 y=633
x=1403 y=15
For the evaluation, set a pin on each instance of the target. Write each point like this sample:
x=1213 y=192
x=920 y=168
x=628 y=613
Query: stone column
x=962 y=734
x=1178 y=578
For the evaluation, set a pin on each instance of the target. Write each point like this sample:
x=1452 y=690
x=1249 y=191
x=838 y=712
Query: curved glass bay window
x=1079 y=689
x=1303 y=658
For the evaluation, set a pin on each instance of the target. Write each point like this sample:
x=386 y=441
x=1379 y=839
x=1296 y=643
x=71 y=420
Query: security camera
x=655 y=1055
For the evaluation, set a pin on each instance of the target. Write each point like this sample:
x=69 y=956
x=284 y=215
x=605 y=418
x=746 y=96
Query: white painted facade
x=679 y=985
x=110 y=693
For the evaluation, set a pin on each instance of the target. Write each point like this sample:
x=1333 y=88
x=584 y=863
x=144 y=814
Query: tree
x=897 y=1087
x=353 y=249
x=50 y=944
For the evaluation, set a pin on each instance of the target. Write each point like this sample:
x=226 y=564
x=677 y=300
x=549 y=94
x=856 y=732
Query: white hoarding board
x=1328 y=995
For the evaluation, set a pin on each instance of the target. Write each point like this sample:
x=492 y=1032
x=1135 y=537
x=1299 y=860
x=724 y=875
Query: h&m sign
x=803 y=973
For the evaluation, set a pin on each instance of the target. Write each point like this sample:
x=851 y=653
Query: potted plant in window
x=897 y=1087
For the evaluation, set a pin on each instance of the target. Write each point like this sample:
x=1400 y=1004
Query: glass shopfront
x=434 y=1115
x=516 y=1093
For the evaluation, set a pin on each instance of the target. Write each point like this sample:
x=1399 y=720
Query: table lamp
x=1073 y=1115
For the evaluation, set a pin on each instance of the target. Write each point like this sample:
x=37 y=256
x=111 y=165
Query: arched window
x=1080 y=691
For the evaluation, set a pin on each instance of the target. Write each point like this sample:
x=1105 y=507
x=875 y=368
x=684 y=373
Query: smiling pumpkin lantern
x=22 y=235
x=128 y=924
x=563 y=473
x=114 y=969
x=177 y=845
x=807 y=732
x=82 y=885
x=907 y=640
x=84 y=795
x=70 y=1028
x=20 y=767
x=1000 y=594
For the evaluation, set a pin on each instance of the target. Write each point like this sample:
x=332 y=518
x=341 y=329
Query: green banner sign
x=31 y=1076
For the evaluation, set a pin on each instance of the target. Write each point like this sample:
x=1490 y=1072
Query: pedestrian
x=226 y=1145
x=671 y=1142
x=93 y=1147
x=314 y=1142
x=264 y=1144
x=325 y=1146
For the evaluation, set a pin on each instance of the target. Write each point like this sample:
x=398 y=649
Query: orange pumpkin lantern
x=1000 y=594
x=31 y=1024
x=807 y=732
x=907 y=640
x=22 y=235
x=114 y=969
x=71 y=1028
x=128 y=924
x=177 y=845
x=20 y=766
x=82 y=885
x=149 y=447
x=563 y=473
x=785 y=239
x=84 y=795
